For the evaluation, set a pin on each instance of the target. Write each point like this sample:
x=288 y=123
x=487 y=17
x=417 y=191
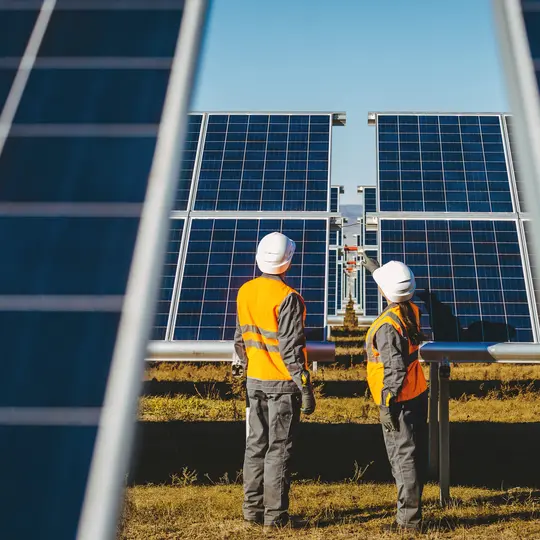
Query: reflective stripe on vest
x=415 y=382
x=258 y=306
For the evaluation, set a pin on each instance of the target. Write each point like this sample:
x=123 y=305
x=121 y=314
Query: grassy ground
x=338 y=511
x=221 y=372
x=358 y=410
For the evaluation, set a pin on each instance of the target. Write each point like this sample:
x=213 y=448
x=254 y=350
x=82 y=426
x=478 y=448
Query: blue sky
x=354 y=56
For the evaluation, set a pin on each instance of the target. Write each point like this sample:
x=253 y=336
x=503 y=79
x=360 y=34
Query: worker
x=398 y=386
x=270 y=345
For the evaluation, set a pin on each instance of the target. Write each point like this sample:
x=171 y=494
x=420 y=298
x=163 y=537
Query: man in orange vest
x=398 y=386
x=270 y=342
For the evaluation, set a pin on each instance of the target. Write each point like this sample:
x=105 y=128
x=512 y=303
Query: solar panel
x=221 y=257
x=534 y=271
x=469 y=277
x=259 y=162
x=332 y=282
x=370 y=238
x=74 y=174
x=334 y=199
x=371 y=291
x=442 y=163
x=370 y=199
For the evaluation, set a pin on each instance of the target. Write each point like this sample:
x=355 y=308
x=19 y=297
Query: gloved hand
x=370 y=264
x=308 y=398
x=389 y=416
x=237 y=370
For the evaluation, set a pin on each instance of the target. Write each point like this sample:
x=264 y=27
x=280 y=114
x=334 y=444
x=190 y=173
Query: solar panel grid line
x=326 y=271
x=23 y=72
x=189 y=165
x=113 y=5
x=29 y=209
x=84 y=130
x=97 y=62
x=50 y=416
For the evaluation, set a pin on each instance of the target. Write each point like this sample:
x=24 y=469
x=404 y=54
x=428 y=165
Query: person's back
x=270 y=342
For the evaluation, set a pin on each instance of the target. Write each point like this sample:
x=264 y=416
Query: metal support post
x=433 y=425
x=315 y=366
x=444 y=432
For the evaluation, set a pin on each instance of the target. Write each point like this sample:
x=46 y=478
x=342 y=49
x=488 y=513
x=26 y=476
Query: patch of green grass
x=338 y=511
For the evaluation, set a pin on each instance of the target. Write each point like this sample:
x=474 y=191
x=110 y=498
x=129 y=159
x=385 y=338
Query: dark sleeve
x=240 y=356
x=391 y=347
x=291 y=337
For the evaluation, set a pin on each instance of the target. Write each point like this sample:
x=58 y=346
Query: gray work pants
x=407 y=452
x=273 y=419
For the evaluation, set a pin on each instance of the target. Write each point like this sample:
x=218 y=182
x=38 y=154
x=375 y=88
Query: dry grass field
x=189 y=400
x=349 y=510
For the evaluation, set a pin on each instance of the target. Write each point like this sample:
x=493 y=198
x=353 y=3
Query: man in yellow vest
x=398 y=386
x=270 y=343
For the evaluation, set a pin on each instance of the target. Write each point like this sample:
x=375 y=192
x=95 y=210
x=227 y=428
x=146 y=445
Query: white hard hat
x=396 y=281
x=274 y=253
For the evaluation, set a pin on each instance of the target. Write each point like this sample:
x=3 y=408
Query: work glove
x=389 y=416
x=370 y=264
x=308 y=398
x=237 y=371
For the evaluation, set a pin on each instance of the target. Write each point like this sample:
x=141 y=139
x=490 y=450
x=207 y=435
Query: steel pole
x=433 y=425
x=444 y=433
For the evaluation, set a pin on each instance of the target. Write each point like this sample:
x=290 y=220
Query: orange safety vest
x=415 y=382
x=258 y=306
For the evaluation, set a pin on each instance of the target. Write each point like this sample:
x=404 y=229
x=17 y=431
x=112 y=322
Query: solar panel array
x=469 y=276
x=269 y=170
x=371 y=291
x=262 y=162
x=472 y=275
x=74 y=174
x=221 y=257
x=442 y=163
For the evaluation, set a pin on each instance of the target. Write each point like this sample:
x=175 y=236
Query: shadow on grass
x=482 y=454
x=223 y=390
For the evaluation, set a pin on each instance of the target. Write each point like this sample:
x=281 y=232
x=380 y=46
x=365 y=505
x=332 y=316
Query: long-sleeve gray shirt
x=394 y=352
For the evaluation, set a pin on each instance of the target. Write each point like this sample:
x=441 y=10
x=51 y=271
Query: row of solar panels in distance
x=221 y=257
x=442 y=163
x=469 y=277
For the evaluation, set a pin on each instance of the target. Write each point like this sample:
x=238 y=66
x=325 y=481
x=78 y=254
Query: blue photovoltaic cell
x=334 y=199
x=334 y=237
x=6 y=80
x=146 y=33
x=167 y=279
x=446 y=163
x=85 y=169
x=469 y=277
x=370 y=200
x=265 y=162
x=15 y=29
x=370 y=238
x=332 y=281
x=93 y=96
x=221 y=257
x=371 y=295
x=188 y=161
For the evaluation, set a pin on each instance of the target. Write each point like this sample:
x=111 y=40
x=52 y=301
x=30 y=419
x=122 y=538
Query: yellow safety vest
x=258 y=306
x=415 y=382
